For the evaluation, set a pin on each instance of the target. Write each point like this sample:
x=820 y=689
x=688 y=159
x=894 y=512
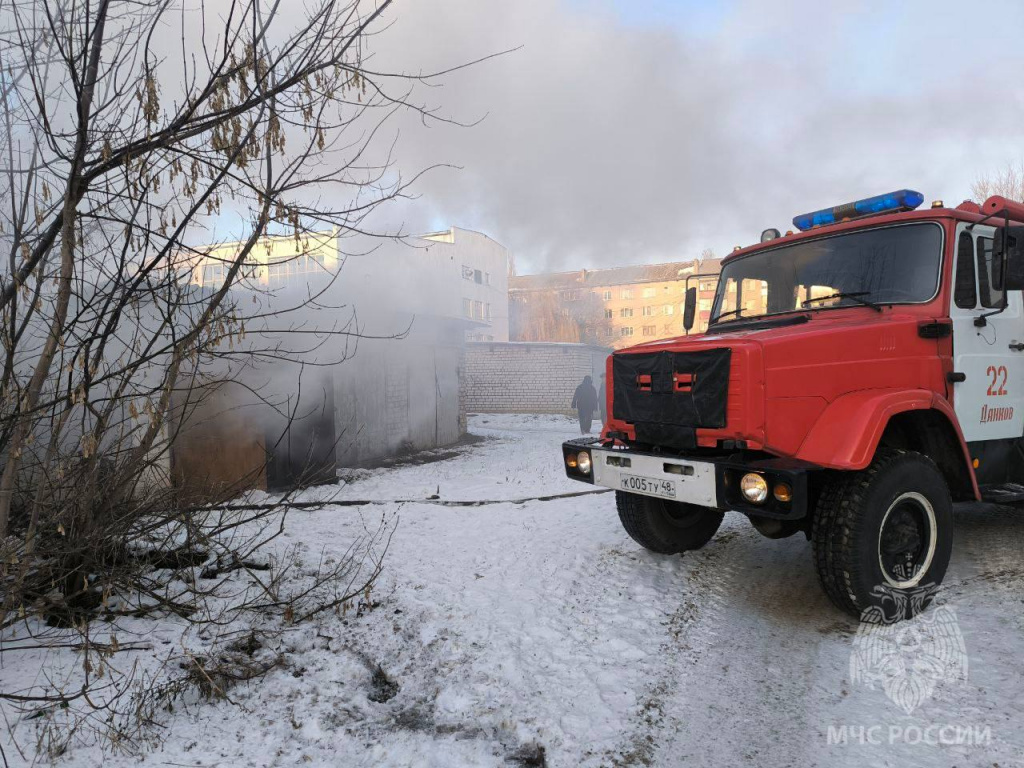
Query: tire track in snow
x=988 y=548
x=683 y=644
x=608 y=611
x=740 y=660
x=984 y=587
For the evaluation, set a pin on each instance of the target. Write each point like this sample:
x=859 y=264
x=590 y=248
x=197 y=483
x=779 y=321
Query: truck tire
x=666 y=527
x=882 y=537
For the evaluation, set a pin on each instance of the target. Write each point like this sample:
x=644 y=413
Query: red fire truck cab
x=856 y=378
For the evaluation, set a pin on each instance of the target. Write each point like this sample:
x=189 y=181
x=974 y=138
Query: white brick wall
x=528 y=377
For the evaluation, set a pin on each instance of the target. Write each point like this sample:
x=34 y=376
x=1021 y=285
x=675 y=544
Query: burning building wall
x=336 y=369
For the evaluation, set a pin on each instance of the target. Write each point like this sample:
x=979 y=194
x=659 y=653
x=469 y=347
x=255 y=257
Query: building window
x=648 y=311
x=626 y=293
x=704 y=304
x=650 y=293
x=302 y=264
x=475 y=275
x=707 y=285
x=626 y=331
x=478 y=310
x=608 y=314
x=650 y=330
x=626 y=312
x=214 y=273
x=669 y=309
x=487 y=312
x=607 y=295
x=467 y=308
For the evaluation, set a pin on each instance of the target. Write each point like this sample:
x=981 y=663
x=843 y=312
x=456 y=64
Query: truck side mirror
x=689 y=308
x=1013 y=260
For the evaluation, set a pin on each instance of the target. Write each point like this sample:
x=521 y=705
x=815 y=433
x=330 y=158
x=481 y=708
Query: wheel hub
x=907 y=540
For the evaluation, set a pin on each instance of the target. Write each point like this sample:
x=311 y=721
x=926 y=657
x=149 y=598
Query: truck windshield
x=889 y=265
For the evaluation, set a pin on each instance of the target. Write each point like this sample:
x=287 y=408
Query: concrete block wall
x=528 y=377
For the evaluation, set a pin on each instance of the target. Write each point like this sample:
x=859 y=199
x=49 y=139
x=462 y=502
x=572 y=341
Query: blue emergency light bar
x=904 y=200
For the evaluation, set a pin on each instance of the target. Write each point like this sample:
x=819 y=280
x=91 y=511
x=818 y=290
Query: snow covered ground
x=537 y=632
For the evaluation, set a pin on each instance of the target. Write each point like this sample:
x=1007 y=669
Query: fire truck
x=858 y=376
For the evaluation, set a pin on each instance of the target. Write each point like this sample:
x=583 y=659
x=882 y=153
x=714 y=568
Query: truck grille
x=667 y=395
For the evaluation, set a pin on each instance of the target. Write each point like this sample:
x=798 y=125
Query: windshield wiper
x=738 y=311
x=855 y=295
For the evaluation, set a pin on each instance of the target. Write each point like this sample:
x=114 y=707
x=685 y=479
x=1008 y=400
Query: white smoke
x=615 y=136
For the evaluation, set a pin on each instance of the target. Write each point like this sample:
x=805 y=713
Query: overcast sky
x=646 y=130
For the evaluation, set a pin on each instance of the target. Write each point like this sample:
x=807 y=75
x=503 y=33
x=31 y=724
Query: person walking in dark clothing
x=602 y=402
x=585 y=403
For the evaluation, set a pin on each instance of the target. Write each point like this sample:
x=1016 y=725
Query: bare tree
x=1008 y=182
x=548 y=315
x=131 y=132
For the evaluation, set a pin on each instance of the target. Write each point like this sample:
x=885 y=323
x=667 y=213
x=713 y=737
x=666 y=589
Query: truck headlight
x=754 y=488
x=583 y=462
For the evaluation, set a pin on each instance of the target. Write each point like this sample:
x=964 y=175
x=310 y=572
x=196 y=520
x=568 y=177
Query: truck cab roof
x=998 y=208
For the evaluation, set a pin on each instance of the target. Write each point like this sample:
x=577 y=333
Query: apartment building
x=614 y=307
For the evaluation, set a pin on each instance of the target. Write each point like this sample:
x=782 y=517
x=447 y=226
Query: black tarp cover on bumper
x=667 y=395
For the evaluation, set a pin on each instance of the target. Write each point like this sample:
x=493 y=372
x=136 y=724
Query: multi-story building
x=276 y=260
x=483 y=267
x=613 y=307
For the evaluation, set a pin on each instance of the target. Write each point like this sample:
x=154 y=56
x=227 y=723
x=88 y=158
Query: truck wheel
x=882 y=537
x=666 y=527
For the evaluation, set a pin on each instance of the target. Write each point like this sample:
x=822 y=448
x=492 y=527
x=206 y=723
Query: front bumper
x=712 y=483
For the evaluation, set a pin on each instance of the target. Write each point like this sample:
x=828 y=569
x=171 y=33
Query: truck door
x=989 y=403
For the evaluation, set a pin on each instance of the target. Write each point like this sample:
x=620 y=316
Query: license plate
x=648 y=485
